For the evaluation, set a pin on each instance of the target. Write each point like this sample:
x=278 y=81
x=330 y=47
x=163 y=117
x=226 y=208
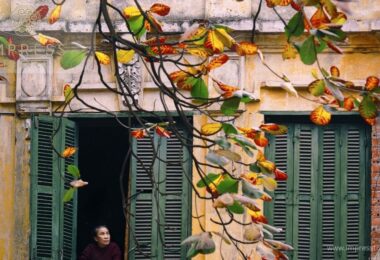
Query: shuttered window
x=161 y=202
x=323 y=207
x=53 y=223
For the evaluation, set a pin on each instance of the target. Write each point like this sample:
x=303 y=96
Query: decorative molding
x=130 y=74
x=34 y=84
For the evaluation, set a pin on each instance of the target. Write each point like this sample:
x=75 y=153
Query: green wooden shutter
x=329 y=189
x=160 y=214
x=53 y=225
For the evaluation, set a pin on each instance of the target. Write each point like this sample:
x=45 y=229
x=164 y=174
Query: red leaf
x=217 y=62
x=370 y=121
x=160 y=9
x=260 y=139
x=162 y=132
x=39 y=13
x=163 y=49
x=319 y=18
x=295 y=6
x=280 y=175
x=348 y=103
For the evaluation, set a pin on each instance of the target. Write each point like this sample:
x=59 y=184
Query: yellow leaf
x=131 y=11
x=339 y=19
x=269 y=183
x=213 y=42
x=55 y=14
x=45 y=40
x=124 y=56
x=103 y=58
x=314 y=73
x=227 y=40
x=211 y=128
x=289 y=52
x=68 y=93
x=201 y=52
x=246 y=48
x=320 y=116
x=268 y=165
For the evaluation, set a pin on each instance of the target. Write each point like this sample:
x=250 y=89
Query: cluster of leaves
x=232 y=192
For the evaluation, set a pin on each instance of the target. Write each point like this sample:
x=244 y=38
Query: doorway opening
x=103 y=146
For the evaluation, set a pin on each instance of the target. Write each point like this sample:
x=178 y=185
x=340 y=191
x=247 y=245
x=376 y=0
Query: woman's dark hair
x=95 y=229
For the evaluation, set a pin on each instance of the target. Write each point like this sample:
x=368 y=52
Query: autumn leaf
x=225 y=90
x=319 y=18
x=39 y=14
x=273 y=3
x=124 y=56
x=289 y=52
x=55 y=14
x=199 y=51
x=45 y=40
x=339 y=19
x=266 y=166
x=348 y=103
x=68 y=93
x=260 y=139
x=333 y=47
x=68 y=152
x=370 y=121
x=195 y=34
x=317 y=87
x=257 y=216
x=160 y=9
x=280 y=175
x=211 y=128
x=226 y=39
x=334 y=71
x=217 y=62
x=139 y=133
x=163 y=49
x=320 y=116
x=152 y=24
x=131 y=11
x=274 y=129
x=367 y=107
x=213 y=42
x=102 y=58
x=162 y=132
x=371 y=83
x=246 y=48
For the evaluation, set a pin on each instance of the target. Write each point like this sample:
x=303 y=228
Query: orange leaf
x=213 y=42
x=274 y=129
x=348 y=103
x=260 y=157
x=319 y=18
x=163 y=49
x=102 y=58
x=39 y=13
x=225 y=88
x=155 y=41
x=289 y=52
x=370 y=121
x=178 y=76
x=273 y=3
x=68 y=152
x=217 y=62
x=320 y=116
x=260 y=139
x=184 y=84
x=152 y=25
x=162 y=132
x=55 y=14
x=371 y=83
x=139 y=133
x=280 y=175
x=160 y=9
x=246 y=48
x=334 y=71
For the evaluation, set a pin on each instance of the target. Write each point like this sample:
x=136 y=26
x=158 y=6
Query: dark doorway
x=103 y=145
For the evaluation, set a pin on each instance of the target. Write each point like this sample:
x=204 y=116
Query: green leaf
x=224 y=27
x=356 y=102
x=72 y=58
x=136 y=24
x=325 y=73
x=228 y=185
x=199 y=90
x=248 y=151
x=192 y=251
x=321 y=46
x=367 y=107
x=209 y=178
x=230 y=106
x=73 y=170
x=69 y=195
x=317 y=87
x=340 y=36
x=236 y=208
x=254 y=168
x=4 y=41
x=229 y=129
x=308 y=51
x=295 y=27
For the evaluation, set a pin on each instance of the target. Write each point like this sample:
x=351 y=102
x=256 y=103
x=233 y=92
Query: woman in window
x=103 y=248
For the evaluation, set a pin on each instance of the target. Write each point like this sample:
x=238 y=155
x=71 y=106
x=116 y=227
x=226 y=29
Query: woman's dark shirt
x=94 y=252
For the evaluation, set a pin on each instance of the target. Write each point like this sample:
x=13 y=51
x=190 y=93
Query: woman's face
x=103 y=237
